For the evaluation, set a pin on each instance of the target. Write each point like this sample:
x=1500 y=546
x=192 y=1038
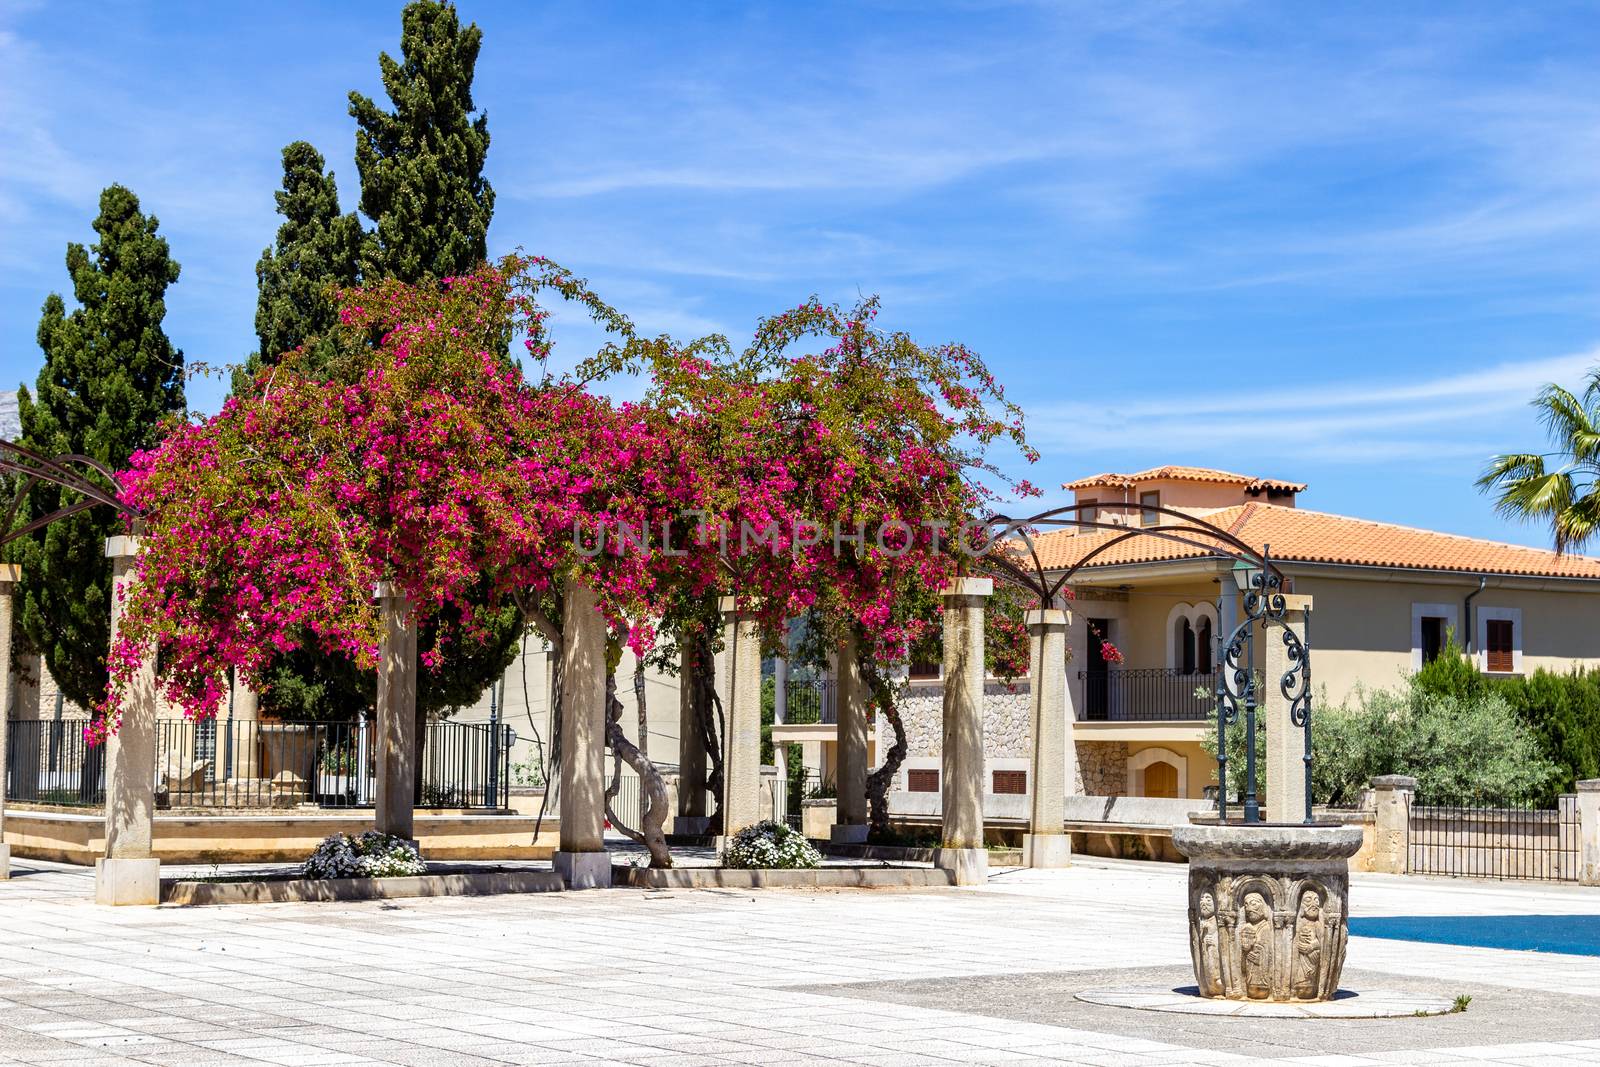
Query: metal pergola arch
x=1264 y=602
x=71 y=472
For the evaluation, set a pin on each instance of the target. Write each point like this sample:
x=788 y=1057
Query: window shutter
x=1010 y=783
x=922 y=781
x=1499 y=655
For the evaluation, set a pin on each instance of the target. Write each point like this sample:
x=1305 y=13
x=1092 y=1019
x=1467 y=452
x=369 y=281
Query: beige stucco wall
x=1139 y=625
x=1361 y=630
x=1195 y=497
x=79 y=837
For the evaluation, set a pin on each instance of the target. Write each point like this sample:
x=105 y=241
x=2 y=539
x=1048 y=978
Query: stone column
x=741 y=760
x=780 y=689
x=244 y=728
x=1047 y=844
x=692 y=819
x=582 y=859
x=1589 y=832
x=961 y=848
x=850 y=775
x=130 y=873
x=1392 y=794
x=397 y=712
x=9 y=573
x=1286 y=744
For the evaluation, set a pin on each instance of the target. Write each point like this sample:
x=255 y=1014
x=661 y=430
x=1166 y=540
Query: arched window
x=1191 y=631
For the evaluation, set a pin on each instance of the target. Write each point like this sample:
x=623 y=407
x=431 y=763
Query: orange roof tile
x=1183 y=474
x=1296 y=534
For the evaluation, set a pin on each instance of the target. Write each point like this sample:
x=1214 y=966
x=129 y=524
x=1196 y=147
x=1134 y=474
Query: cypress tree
x=422 y=186
x=421 y=164
x=316 y=247
x=110 y=377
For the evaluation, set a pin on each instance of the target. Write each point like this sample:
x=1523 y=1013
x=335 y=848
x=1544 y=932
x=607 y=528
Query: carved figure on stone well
x=1305 y=978
x=1207 y=947
x=1255 y=946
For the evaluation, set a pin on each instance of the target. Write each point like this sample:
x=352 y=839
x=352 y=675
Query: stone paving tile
x=675 y=977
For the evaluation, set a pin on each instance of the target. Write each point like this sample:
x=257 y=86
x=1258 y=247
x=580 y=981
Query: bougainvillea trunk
x=879 y=781
x=653 y=800
x=708 y=716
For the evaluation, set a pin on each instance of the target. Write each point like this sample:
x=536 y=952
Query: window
x=922 y=781
x=1433 y=631
x=1432 y=628
x=1088 y=510
x=1010 y=783
x=924 y=668
x=1499 y=645
x=1149 y=518
x=1202 y=644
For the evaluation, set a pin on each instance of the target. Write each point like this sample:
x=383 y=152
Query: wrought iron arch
x=72 y=472
x=1010 y=554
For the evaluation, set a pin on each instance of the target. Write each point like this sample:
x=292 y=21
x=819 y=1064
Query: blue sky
x=1337 y=243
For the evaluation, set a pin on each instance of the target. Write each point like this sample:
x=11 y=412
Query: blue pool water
x=1577 y=935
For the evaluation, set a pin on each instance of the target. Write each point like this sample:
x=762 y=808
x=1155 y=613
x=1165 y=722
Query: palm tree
x=1567 y=495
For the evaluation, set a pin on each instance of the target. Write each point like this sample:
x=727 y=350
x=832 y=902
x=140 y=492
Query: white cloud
x=1452 y=416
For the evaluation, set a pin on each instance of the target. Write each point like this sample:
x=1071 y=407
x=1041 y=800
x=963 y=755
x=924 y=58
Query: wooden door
x=1161 y=780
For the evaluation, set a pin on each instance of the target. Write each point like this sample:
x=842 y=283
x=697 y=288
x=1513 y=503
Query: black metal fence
x=810 y=702
x=1146 y=694
x=253 y=764
x=49 y=762
x=1493 y=837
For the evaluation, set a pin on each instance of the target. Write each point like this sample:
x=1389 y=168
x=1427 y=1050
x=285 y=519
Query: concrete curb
x=998 y=857
x=815 y=878
x=473 y=884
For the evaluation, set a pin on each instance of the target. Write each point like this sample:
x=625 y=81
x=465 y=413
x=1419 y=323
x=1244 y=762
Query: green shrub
x=1454 y=745
x=1562 y=710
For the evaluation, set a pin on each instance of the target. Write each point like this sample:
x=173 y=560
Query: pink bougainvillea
x=429 y=461
x=829 y=481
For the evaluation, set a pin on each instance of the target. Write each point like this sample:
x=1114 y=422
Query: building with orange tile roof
x=1385 y=598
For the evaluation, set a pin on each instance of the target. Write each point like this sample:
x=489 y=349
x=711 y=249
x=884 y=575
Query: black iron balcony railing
x=1146 y=694
x=810 y=701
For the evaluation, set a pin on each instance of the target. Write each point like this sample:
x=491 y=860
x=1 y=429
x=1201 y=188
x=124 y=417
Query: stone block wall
x=1102 y=768
x=1007 y=720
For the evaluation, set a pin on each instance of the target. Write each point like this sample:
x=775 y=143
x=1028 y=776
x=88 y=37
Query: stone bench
x=1129 y=827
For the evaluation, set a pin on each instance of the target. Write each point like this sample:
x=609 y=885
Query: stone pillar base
x=691 y=825
x=848 y=833
x=1046 y=850
x=584 y=870
x=5 y=862
x=127 y=881
x=969 y=865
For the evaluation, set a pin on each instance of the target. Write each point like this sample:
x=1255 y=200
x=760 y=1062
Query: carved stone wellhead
x=1267 y=908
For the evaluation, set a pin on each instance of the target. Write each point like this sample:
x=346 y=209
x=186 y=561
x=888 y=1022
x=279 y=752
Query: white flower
x=372 y=855
x=770 y=845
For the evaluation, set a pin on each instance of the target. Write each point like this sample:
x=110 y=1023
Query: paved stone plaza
x=980 y=975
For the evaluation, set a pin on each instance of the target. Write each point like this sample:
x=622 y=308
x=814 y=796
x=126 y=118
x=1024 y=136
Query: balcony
x=811 y=702
x=1145 y=694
